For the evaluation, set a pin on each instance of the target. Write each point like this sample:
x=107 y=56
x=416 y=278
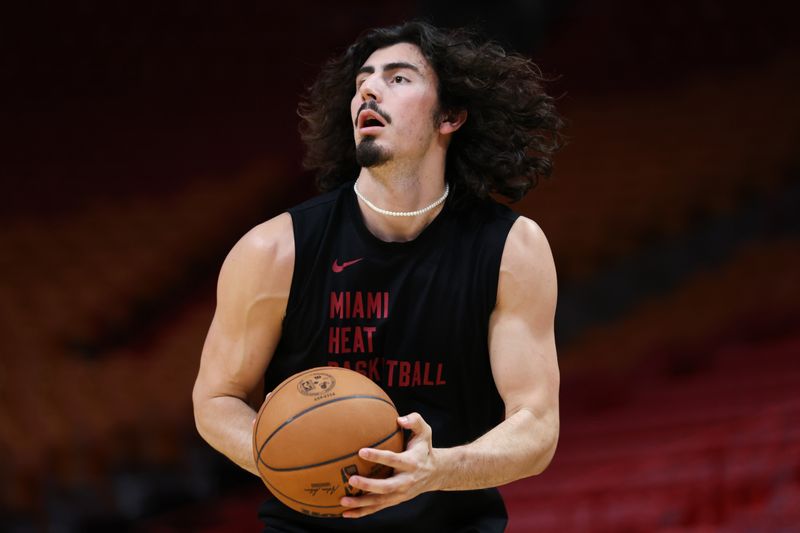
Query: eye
x=398 y=79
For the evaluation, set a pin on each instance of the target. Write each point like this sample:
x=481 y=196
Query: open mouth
x=370 y=119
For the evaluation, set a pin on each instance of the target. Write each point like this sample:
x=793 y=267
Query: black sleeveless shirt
x=413 y=317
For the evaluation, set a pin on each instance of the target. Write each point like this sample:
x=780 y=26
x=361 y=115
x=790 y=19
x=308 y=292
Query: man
x=411 y=275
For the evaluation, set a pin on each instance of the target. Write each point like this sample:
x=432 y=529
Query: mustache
x=373 y=106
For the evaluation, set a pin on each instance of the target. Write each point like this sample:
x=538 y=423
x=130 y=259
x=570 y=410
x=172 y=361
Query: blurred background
x=141 y=139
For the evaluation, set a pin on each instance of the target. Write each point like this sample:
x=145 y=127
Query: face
x=394 y=106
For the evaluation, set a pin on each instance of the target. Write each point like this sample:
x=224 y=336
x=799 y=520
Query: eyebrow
x=390 y=66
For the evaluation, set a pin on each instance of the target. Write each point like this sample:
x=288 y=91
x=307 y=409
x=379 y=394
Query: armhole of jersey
x=502 y=227
x=298 y=277
x=309 y=233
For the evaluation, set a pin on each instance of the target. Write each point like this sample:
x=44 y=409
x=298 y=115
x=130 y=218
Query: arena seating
x=91 y=383
x=711 y=303
x=642 y=166
x=702 y=450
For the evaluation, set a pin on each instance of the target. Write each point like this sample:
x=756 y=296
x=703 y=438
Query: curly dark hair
x=505 y=145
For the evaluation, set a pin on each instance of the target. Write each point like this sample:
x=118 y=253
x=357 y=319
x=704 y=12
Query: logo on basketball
x=325 y=487
x=349 y=490
x=316 y=384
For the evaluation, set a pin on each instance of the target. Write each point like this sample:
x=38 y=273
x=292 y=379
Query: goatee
x=369 y=154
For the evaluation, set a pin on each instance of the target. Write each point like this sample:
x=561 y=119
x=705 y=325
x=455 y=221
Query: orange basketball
x=308 y=432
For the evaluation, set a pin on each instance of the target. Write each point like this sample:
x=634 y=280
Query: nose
x=369 y=89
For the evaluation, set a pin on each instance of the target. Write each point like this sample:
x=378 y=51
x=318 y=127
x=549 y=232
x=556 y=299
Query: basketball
x=308 y=432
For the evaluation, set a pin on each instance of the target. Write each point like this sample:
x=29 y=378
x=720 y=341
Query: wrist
x=445 y=461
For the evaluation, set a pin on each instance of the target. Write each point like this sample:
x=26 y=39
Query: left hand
x=414 y=472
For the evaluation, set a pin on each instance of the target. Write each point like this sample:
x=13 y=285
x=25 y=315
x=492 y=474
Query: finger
x=415 y=423
x=365 y=500
x=418 y=441
x=379 y=486
x=384 y=457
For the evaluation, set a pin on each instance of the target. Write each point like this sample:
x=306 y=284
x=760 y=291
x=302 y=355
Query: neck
x=397 y=190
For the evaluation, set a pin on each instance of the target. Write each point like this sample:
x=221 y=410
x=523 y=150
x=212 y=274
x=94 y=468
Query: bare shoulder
x=527 y=250
x=527 y=267
x=269 y=241
x=263 y=259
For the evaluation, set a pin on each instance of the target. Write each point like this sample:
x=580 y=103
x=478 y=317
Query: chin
x=370 y=154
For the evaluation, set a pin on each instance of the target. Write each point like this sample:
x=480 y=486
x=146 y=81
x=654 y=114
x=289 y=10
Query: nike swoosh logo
x=336 y=267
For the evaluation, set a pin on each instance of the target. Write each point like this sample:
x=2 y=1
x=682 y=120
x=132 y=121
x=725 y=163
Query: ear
x=452 y=120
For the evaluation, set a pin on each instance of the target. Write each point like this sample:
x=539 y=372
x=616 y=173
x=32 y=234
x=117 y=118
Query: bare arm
x=252 y=293
x=525 y=370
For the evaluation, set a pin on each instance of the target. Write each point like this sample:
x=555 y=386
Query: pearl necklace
x=401 y=213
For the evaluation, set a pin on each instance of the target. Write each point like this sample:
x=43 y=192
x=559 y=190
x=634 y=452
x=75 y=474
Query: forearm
x=226 y=423
x=520 y=446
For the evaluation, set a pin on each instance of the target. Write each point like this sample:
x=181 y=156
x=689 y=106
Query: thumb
x=415 y=423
